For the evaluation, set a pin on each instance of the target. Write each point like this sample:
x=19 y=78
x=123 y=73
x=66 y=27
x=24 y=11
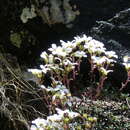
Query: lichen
x=15 y=39
x=51 y=12
x=59 y=12
x=28 y=13
x=21 y=37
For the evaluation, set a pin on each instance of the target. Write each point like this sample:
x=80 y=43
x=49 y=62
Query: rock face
x=56 y=11
x=115 y=32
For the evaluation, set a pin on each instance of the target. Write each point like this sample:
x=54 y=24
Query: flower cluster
x=127 y=62
x=63 y=59
x=63 y=65
x=64 y=119
x=60 y=95
x=55 y=121
x=127 y=66
x=63 y=62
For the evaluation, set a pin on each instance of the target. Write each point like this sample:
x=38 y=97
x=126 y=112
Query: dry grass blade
x=20 y=102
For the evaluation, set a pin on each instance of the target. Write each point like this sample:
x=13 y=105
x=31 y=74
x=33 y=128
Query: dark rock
x=115 y=34
x=118 y=76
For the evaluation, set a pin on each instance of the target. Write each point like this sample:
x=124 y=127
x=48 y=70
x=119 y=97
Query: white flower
x=100 y=50
x=53 y=47
x=111 y=54
x=80 y=54
x=126 y=59
x=38 y=123
x=127 y=66
x=71 y=114
x=50 y=59
x=67 y=44
x=61 y=112
x=58 y=96
x=54 y=118
x=35 y=71
x=48 y=89
x=44 y=55
x=87 y=39
x=67 y=50
x=59 y=52
x=97 y=44
x=51 y=122
x=69 y=65
x=44 y=69
x=61 y=93
x=98 y=60
x=60 y=87
x=79 y=40
x=43 y=87
x=101 y=60
x=94 y=46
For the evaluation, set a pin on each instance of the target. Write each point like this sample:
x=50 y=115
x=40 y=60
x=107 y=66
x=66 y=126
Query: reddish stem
x=126 y=82
x=100 y=86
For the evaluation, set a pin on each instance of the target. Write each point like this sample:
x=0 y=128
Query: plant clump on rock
x=62 y=64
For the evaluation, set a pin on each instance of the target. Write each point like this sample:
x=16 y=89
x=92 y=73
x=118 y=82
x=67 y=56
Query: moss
x=16 y=39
